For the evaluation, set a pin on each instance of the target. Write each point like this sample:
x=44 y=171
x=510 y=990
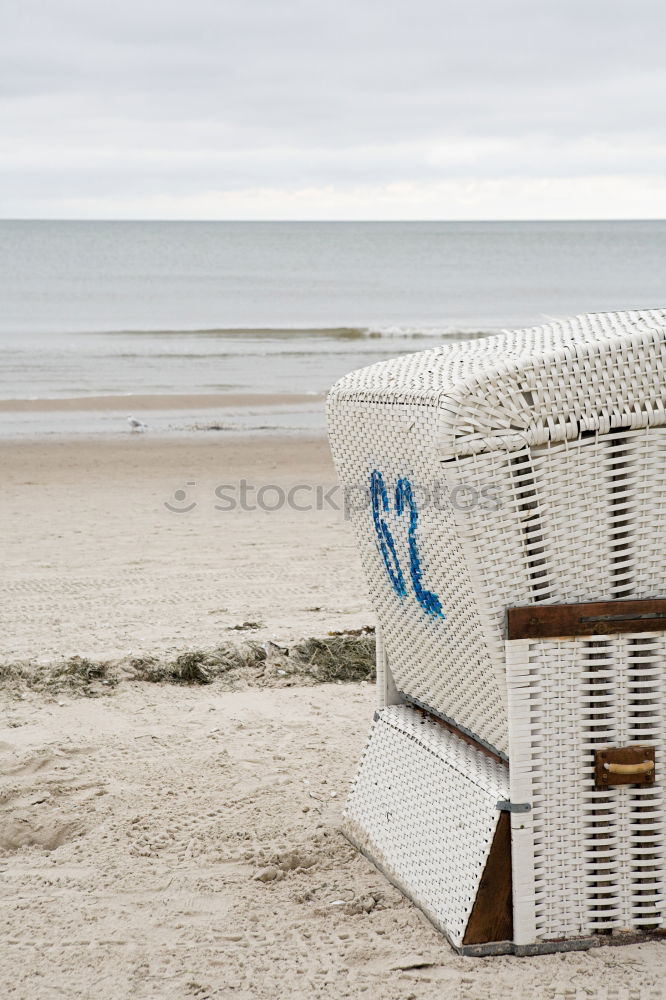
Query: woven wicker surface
x=424 y=808
x=553 y=441
x=545 y=504
x=585 y=860
x=591 y=372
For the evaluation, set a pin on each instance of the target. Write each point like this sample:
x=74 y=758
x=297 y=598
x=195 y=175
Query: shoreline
x=159 y=401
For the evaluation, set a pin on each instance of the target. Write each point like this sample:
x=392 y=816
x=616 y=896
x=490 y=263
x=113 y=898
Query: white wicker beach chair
x=512 y=782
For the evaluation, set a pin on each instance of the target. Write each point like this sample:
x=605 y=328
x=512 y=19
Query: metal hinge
x=513 y=807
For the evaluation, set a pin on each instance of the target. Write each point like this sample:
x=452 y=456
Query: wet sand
x=171 y=401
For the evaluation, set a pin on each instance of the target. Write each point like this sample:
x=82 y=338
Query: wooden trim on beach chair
x=564 y=621
x=491 y=918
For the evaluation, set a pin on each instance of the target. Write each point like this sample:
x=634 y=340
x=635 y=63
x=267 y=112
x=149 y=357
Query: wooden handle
x=644 y=768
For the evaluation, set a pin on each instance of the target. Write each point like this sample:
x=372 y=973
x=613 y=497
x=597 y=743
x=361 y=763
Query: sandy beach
x=96 y=563
x=170 y=841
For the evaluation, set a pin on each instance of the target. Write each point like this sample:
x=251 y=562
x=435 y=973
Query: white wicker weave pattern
x=424 y=651
x=575 y=521
x=424 y=808
x=558 y=437
x=566 y=508
x=585 y=860
x=592 y=372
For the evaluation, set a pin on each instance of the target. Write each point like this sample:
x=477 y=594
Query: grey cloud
x=213 y=94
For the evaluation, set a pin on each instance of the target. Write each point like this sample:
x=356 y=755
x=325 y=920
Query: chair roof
x=594 y=372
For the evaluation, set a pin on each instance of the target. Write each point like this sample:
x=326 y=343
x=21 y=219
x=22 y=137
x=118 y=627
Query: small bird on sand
x=136 y=426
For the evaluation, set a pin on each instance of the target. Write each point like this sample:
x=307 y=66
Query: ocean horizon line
x=316 y=222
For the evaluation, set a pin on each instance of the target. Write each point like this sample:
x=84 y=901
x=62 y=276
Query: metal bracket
x=513 y=807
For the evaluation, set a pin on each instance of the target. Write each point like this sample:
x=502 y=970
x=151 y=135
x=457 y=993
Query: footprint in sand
x=39 y=809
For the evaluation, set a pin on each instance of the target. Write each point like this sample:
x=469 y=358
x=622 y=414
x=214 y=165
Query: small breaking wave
x=344 y=333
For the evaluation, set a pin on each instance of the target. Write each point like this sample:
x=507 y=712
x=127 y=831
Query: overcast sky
x=340 y=109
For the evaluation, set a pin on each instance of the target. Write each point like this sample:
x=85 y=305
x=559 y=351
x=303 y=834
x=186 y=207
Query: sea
x=133 y=308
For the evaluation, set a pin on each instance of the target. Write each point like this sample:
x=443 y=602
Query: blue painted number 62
x=404 y=500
